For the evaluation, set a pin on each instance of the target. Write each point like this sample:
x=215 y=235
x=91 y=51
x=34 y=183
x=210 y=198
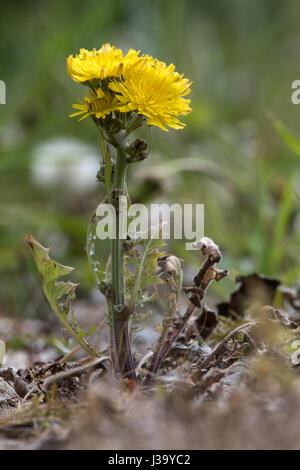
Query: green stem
x=107 y=159
x=122 y=356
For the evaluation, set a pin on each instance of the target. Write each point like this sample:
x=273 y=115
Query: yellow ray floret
x=100 y=104
x=95 y=64
x=155 y=90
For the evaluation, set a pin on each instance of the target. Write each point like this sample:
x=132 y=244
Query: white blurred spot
x=65 y=162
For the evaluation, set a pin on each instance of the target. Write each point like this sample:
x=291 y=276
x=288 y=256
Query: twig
x=71 y=372
x=218 y=348
x=69 y=355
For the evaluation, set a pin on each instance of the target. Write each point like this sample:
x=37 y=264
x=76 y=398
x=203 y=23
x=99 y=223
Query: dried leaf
x=206 y=322
x=292 y=296
x=209 y=248
x=255 y=291
x=279 y=316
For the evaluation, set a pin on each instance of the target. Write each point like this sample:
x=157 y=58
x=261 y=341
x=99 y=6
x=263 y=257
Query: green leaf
x=289 y=138
x=50 y=271
x=140 y=266
x=60 y=346
x=58 y=293
x=277 y=245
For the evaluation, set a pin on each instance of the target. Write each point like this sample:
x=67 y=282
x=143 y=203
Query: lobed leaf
x=55 y=290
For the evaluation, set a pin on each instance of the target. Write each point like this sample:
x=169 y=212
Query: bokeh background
x=242 y=57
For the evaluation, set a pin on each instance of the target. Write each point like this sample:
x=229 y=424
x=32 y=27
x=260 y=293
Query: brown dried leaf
x=292 y=296
x=255 y=291
x=206 y=322
x=209 y=248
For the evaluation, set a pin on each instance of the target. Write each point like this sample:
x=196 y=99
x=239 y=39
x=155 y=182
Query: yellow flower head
x=136 y=83
x=155 y=90
x=95 y=64
x=100 y=104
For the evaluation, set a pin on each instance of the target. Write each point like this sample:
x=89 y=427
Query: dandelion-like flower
x=129 y=83
x=96 y=64
x=100 y=104
x=156 y=91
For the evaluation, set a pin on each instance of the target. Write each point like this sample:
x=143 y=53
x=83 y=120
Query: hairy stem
x=107 y=159
x=122 y=356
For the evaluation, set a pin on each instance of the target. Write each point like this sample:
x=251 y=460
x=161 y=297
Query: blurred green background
x=242 y=57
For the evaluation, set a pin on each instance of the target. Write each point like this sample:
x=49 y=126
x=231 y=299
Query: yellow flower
x=153 y=89
x=140 y=83
x=99 y=105
x=95 y=64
